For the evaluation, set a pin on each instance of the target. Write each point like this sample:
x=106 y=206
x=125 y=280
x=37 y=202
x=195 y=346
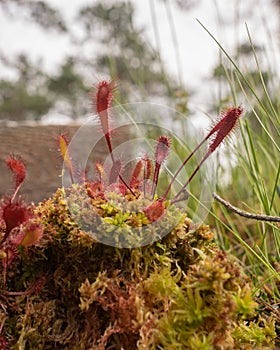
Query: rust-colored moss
x=181 y=292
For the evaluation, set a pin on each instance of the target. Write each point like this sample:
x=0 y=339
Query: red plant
x=3 y=343
x=14 y=214
x=147 y=167
x=30 y=234
x=115 y=171
x=16 y=165
x=104 y=95
x=20 y=226
x=222 y=128
x=100 y=172
x=134 y=181
x=155 y=210
x=102 y=100
x=161 y=152
x=146 y=173
x=63 y=146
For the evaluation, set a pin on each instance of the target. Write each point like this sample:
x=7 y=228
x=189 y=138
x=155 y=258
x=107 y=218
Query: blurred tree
x=109 y=43
x=123 y=51
x=68 y=90
x=39 y=12
x=25 y=97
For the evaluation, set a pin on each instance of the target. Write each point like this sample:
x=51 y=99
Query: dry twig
x=261 y=217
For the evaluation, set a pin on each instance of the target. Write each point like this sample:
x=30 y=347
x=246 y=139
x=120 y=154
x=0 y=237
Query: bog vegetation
x=173 y=291
x=196 y=287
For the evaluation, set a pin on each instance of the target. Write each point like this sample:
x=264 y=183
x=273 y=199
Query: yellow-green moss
x=181 y=292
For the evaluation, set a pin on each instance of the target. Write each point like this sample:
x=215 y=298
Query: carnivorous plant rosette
x=122 y=206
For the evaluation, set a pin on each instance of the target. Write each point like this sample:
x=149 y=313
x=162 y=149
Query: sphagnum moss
x=181 y=292
x=108 y=264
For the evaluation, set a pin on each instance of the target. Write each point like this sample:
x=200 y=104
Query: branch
x=246 y=214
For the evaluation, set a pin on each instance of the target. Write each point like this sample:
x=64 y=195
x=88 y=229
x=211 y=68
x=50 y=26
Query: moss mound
x=180 y=292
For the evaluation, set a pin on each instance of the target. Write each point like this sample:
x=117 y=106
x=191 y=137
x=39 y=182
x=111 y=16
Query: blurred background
x=52 y=52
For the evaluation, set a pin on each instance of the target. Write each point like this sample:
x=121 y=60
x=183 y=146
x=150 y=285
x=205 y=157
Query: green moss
x=180 y=292
x=260 y=333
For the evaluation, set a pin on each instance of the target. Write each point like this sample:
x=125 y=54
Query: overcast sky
x=197 y=52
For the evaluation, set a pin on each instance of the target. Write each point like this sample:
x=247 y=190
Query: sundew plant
x=110 y=261
x=140 y=184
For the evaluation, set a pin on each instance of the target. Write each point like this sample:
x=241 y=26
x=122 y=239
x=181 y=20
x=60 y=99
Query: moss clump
x=180 y=292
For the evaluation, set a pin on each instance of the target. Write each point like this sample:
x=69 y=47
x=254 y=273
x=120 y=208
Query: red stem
x=182 y=166
x=15 y=193
x=192 y=175
x=108 y=140
x=155 y=179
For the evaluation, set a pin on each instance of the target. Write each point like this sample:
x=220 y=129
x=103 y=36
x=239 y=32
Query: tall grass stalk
x=255 y=179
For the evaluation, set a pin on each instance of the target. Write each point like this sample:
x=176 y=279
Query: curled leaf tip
x=18 y=169
x=162 y=149
x=104 y=95
x=226 y=124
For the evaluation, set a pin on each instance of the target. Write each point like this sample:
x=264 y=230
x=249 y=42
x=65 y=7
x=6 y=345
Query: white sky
x=198 y=53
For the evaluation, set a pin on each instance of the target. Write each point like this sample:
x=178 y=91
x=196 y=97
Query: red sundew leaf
x=14 y=214
x=100 y=172
x=161 y=153
x=18 y=169
x=225 y=115
x=147 y=172
x=162 y=149
x=136 y=174
x=102 y=100
x=30 y=234
x=104 y=95
x=95 y=189
x=147 y=167
x=154 y=211
x=11 y=254
x=63 y=144
x=225 y=126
